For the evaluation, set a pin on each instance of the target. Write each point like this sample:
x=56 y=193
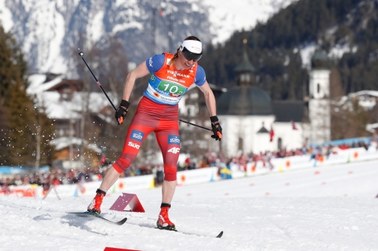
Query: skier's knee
x=170 y=177
x=170 y=173
x=122 y=163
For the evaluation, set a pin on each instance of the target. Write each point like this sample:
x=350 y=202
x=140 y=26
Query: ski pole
x=187 y=122
x=208 y=129
x=81 y=54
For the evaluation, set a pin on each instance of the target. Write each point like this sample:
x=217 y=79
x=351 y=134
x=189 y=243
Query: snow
x=125 y=26
x=325 y=208
x=306 y=53
x=339 y=50
x=64 y=142
x=97 y=27
x=70 y=108
x=38 y=84
x=372 y=93
x=54 y=62
x=5 y=17
x=226 y=17
x=47 y=24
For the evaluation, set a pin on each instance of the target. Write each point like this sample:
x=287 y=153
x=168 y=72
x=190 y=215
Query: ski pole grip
x=120 y=120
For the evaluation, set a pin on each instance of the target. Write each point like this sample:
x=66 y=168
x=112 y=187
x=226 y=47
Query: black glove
x=121 y=112
x=217 y=129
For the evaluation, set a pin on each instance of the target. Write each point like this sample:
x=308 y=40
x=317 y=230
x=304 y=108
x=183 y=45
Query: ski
x=99 y=216
x=122 y=221
x=219 y=235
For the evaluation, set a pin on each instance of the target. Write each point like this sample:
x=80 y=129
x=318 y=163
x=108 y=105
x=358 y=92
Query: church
x=253 y=122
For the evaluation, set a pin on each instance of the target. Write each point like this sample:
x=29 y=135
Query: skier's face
x=185 y=62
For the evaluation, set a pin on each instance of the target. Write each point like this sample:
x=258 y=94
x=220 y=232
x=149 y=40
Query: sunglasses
x=190 y=55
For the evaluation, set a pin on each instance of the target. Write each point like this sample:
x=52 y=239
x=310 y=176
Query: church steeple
x=320 y=60
x=245 y=70
x=320 y=103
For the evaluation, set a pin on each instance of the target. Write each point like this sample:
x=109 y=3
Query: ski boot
x=163 y=221
x=95 y=206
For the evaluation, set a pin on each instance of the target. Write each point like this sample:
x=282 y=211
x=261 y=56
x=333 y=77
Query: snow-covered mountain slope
x=227 y=17
x=49 y=32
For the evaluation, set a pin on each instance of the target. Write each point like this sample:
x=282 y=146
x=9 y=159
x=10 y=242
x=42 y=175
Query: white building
x=252 y=122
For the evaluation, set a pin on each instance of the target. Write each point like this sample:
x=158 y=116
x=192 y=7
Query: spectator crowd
x=58 y=176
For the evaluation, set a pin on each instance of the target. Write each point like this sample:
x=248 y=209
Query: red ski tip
x=119 y=249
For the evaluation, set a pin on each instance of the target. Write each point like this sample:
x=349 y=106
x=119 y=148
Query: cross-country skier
x=171 y=75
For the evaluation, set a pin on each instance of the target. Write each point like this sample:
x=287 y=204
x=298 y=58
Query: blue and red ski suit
x=157 y=112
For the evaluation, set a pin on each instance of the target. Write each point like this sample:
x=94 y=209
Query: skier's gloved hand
x=216 y=128
x=121 y=112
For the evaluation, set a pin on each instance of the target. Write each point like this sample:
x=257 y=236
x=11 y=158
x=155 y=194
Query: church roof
x=244 y=100
x=286 y=111
x=245 y=65
x=320 y=59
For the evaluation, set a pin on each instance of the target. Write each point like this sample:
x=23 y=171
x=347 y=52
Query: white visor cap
x=193 y=46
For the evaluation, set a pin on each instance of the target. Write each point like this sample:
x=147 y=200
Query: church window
x=240 y=144
x=279 y=144
x=245 y=77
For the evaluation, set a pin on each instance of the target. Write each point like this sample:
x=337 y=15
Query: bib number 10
x=171 y=88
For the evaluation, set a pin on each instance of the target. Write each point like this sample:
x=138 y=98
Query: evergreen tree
x=350 y=122
x=5 y=139
x=21 y=109
x=26 y=132
x=12 y=72
x=12 y=65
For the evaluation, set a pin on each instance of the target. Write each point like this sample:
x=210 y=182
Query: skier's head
x=191 y=48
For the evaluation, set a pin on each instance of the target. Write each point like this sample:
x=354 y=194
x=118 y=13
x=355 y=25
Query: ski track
x=320 y=208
